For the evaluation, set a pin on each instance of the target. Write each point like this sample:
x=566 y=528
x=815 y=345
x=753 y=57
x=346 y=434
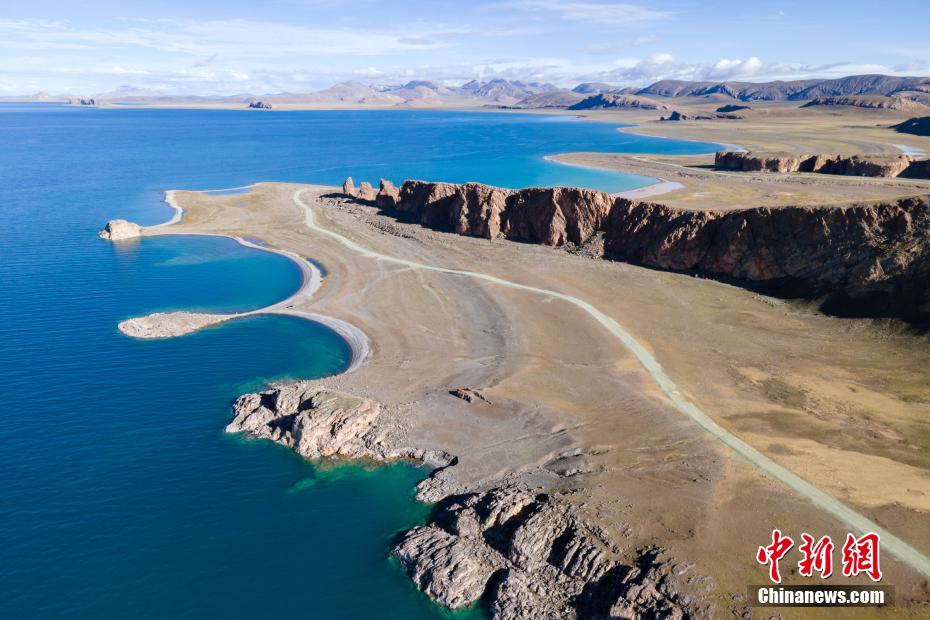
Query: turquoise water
x=119 y=493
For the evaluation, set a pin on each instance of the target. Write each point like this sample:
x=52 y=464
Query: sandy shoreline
x=179 y=323
x=661 y=186
x=565 y=407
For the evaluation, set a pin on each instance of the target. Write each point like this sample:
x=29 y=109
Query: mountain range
x=518 y=94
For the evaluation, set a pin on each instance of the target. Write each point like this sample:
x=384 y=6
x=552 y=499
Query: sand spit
x=169 y=324
x=175 y=324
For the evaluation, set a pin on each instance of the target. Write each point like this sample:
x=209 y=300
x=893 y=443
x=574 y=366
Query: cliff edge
x=859 y=260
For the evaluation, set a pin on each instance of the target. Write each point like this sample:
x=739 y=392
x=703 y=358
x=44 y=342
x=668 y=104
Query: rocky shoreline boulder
x=119 y=230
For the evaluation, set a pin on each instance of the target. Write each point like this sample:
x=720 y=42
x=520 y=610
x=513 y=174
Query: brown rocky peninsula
x=868 y=259
x=567 y=483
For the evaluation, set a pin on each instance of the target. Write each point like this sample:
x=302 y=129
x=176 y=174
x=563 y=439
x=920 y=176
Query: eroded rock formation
x=868 y=259
x=319 y=423
x=531 y=555
x=678 y=116
x=365 y=191
x=876 y=102
x=348 y=187
x=117 y=230
x=551 y=216
x=388 y=195
x=528 y=554
x=617 y=100
x=856 y=165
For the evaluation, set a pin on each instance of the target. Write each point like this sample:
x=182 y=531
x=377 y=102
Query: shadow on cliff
x=823 y=258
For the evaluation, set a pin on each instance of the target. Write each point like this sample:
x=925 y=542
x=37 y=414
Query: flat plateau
x=842 y=403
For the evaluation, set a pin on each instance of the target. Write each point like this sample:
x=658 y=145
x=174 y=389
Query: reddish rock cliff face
x=872 y=166
x=871 y=259
x=878 y=254
x=551 y=216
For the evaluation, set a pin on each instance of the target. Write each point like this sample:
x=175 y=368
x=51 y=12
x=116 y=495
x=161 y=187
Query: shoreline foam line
x=769 y=468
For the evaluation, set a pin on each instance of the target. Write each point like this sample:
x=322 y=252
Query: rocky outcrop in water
x=856 y=165
x=118 y=230
x=320 y=423
x=260 y=105
x=532 y=555
x=864 y=260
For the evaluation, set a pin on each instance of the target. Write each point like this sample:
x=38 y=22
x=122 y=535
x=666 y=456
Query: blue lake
x=120 y=495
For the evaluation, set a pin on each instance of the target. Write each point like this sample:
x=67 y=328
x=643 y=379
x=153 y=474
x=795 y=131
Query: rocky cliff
x=319 y=423
x=856 y=165
x=874 y=102
x=550 y=216
x=531 y=555
x=617 y=100
x=525 y=553
x=862 y=260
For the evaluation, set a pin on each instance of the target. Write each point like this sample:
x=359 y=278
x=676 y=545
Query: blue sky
x=263 y=46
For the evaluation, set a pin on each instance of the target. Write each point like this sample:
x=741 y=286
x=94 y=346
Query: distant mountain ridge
x=796 y=90
x=519 y=94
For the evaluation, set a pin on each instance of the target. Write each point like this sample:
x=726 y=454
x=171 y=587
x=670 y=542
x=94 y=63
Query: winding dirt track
x=890 y=543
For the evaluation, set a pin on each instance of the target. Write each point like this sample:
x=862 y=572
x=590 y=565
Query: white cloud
x=657 y=67
x=234 y=56
x=235 y=38
x=603 y=49
x=603 y=13
x=727 y=69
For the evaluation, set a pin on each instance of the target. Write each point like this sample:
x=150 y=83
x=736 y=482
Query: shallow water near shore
x=120 y=494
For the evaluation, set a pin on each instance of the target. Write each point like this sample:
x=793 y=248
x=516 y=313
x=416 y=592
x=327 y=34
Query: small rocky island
x=119 y=230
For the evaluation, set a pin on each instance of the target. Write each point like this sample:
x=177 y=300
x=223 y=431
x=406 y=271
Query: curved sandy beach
x=160 y=325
